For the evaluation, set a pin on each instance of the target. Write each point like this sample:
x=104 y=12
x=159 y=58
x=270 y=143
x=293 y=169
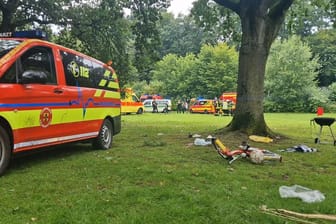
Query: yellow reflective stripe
x=111 y=94
x=98 y=93
x=114 y=76
x=76 y=115
x=129 y=109
x=22 y=119
x=31 y=118
x=102 y=82
x=107 y=73
x=114 y=85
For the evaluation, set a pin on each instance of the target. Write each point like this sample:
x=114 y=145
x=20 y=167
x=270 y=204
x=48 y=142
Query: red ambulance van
x=50 y=95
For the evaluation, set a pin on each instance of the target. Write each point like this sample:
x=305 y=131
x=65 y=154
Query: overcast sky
x=180 y=6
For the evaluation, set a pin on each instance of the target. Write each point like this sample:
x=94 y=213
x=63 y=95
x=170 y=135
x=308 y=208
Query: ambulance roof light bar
x=38 y=34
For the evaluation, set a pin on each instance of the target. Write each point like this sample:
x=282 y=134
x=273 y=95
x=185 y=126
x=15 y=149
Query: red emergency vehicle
x=229 y=96
x=150 y=97
x=228 y=102
x=52 y=95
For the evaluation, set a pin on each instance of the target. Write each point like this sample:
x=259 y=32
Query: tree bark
x=8 y=11
x=260 y=21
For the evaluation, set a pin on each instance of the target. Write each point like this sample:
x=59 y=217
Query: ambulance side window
x=135 y=99
x=77 y=70
x=10 y=75
x=40 y=59
x=80 y=71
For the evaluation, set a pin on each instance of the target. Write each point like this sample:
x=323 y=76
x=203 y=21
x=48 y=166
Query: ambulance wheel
x=140 y=111
x=5 y=150
x=105 y=137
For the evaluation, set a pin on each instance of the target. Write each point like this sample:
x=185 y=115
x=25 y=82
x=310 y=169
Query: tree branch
x=230 y=5
x=279 y=7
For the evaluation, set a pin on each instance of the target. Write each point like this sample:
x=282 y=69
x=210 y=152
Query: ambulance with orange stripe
x=50 y=95
x=130 y=102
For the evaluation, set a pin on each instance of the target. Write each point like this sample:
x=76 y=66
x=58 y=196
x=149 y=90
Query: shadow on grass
x=26 y=159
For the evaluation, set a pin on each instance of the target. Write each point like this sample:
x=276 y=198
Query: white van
x=162 y=104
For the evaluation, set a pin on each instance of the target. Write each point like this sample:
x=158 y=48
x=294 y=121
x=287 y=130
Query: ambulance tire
x=5 y=150
x=140 y=111
x=105 y=137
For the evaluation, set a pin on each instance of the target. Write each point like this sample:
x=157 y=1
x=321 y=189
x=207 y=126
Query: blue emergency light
x=39 y=34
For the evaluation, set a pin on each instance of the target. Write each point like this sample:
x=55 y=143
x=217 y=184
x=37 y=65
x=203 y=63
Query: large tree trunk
x=261 y=21
x=255 y=46
x=8 y=12
x=6 y=24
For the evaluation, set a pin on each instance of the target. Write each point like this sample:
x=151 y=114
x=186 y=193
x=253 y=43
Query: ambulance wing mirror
x=31 y=76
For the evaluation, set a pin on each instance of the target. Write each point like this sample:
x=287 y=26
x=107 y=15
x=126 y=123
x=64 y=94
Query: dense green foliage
x=207 y=74
x=145 y=16
x=323 y=45
x=290 y=75
x=219 y=21
x=181 y=36
x=22 y=13
x=305 y=18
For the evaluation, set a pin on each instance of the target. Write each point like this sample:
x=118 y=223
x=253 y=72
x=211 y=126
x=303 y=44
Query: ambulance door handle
x=58 y=91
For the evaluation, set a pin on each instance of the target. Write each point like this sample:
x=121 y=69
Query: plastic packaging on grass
x=305 y=194
x=201 y=141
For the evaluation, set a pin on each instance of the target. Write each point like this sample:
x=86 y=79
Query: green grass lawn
x=154 y=174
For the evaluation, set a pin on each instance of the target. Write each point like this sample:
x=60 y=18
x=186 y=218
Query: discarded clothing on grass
x=299 y=148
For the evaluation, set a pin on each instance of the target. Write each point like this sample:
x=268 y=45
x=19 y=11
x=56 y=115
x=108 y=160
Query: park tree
x=260 y=23
x=305 y=18
x=290 y=82
x=323 y=45
x=145 y=15
x=181 y=35
x=206 y=74
x=172 y=72
x=20 y=13
x=221 y=22
x=215 y=71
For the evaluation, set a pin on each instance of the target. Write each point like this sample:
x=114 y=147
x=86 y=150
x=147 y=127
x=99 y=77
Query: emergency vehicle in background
x=204 y=106
x=130 y=103
x=150 y=97
x=229 y=96
x=163 y=105
x=52 y=95
x=227 y=103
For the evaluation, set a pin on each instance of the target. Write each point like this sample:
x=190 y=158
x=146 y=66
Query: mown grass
x=154 y=174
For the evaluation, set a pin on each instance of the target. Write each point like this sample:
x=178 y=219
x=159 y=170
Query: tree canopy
x=291 y=72
x=19 y=13
x=323 y=45
x=206 y=74
x=181 y=57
